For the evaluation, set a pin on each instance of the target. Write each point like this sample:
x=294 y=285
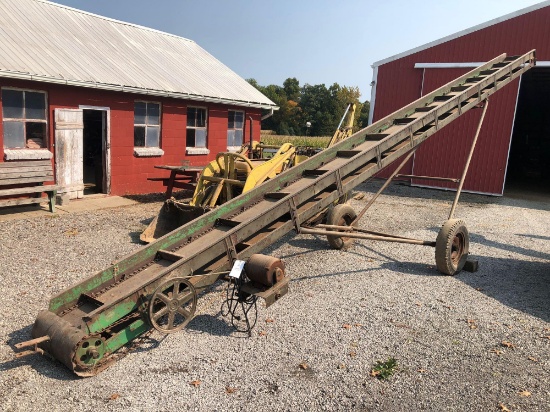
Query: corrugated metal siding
x=44 y=39
x=444 y=154
x=397 y=81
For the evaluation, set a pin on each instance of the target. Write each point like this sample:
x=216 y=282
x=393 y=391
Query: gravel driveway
x=474 y=342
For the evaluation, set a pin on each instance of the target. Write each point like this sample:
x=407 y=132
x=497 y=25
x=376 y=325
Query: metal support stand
x=384 y=186
x=459 y=190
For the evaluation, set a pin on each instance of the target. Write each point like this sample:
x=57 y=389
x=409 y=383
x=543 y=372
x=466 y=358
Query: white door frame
x=106 y=145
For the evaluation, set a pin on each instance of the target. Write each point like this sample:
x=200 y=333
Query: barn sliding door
x=69 y=126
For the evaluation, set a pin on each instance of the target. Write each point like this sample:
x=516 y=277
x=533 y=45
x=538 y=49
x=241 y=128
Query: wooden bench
x=32 y=175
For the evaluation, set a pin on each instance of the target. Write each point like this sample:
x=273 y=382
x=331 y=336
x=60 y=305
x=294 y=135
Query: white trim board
x=543 y=63
x=463 y=32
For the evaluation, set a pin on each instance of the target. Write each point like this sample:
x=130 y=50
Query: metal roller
x=64 y=337
x=264 y=269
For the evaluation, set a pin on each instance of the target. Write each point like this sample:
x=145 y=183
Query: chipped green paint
x=147 y=253
x=70 y=296
x=126 y=335
x=111 y=315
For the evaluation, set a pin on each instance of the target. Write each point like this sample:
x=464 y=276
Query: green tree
x=322 y=106
x=363 y=120
x=291 y=87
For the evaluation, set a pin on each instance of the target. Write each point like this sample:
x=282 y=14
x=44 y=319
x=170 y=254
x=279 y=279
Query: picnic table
x=181 y=177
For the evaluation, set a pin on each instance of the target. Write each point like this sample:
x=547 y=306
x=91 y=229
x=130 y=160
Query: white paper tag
x=237 y=269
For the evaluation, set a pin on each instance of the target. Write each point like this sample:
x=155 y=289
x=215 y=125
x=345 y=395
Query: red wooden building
x=107 y=100
x=514 y=144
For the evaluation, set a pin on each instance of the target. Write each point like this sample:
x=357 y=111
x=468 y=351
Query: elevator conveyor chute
x=93 y=323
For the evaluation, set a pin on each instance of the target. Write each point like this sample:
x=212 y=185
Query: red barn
x=514 y=145
x=117 y=97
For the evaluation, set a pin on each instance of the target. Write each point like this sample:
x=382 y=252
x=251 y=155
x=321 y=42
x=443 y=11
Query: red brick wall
x=129 y=173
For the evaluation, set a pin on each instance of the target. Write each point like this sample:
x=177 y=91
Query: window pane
x=200 y=138
x=139 y=136
x=201 y=118
x=153 y=112
x=238 y=138
x=12 y=103
x=239 y=119
x=35 y=105
x=231 y=138
x=140 y=112
x=191 y=116
x=190 y=138
x=14 y=136
x=36 y=135
x=152 y=139
x=230 y=119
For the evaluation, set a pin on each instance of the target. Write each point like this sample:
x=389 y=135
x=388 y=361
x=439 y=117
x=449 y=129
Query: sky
x=316 y=41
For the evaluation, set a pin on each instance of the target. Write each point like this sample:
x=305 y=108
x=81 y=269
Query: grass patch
x=383 y=370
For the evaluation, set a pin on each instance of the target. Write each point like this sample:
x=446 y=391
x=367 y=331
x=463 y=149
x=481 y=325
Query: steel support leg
x=463 y=177
x=384 y=186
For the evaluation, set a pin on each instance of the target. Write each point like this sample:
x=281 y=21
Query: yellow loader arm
x=268 y=170
x=343 y=132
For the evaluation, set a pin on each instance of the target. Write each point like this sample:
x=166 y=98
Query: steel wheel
x=340 y=215
x=452 y=247
x=173 y=305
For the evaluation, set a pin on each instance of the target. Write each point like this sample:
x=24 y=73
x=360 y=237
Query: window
x=196 y=127
x=24 y=119
x=146 y=124
x=235 y=127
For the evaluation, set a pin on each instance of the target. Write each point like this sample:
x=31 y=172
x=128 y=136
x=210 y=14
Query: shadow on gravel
x=213 y=325
x=518 y=284
x=510 y=248
x=160 y=196
x=403 y=189
x=43 y=364
x=134 y=236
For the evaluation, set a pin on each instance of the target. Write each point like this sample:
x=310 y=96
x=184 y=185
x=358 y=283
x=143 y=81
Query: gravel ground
x=474 y=342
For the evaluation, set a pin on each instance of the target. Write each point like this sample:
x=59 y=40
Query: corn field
x=309 y=141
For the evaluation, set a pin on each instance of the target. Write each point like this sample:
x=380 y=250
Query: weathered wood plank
x=14 y=173
x=24 y=180
x=24 y=168
x=27 y=190
x=30 y=163
x=23 y=201
x=32 y=172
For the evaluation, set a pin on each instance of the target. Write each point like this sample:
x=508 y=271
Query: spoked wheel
x=340 y=215
x=173 y=305
x=452 y=246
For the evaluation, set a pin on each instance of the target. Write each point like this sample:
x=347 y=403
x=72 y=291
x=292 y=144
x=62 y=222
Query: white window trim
x=234 y=149
x=27 y=154
x=153 y=125
x=148 y=151
x=195 y=149
x=47 y=137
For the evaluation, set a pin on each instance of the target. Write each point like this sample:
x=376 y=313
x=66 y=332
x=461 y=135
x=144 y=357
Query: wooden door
x=69 y=126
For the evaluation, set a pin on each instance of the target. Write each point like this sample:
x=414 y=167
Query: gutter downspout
x=373 y=92
x=267 y=116
x=250 y=152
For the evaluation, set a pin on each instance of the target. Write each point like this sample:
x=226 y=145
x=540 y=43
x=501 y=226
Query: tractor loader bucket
x=172 y=215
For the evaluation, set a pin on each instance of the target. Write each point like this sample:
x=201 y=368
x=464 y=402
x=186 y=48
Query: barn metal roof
x=463 y=32
x=49 y=42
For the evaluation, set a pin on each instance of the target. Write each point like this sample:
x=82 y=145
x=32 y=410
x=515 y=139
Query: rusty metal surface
x=206 y=246
x=265 y=270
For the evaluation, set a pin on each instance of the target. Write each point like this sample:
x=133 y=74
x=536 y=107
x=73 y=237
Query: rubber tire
x=444 y=247
x=340 y=215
